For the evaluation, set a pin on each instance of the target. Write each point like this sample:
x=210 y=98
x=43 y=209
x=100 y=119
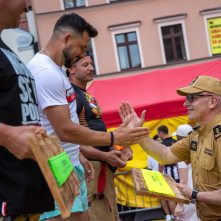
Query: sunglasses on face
x=190 y=96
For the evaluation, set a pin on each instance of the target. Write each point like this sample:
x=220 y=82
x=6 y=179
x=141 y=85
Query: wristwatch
x=193 y=197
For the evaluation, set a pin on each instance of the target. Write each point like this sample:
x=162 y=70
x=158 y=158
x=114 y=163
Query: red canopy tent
x=154 y=91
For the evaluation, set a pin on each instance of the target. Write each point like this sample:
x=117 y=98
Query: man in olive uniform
x=202 y=148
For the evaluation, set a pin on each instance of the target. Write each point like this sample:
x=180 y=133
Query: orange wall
x=96 y=2
x=42 y=6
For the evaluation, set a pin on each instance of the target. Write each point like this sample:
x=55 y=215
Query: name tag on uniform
x=193 y=145
x=217 y=131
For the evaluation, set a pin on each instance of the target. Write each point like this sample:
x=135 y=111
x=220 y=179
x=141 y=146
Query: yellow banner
x=214 y=26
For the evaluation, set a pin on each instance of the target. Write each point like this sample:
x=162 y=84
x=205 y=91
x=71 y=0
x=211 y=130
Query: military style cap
x=201 y=84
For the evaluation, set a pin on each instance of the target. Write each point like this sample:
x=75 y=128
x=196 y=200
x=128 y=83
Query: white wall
x=20 y=42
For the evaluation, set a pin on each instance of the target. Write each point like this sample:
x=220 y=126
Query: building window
x=127 y=45
x=173 y=43
x=128 y=51
x=173 y=38
x=89 y=50
x=74 y=3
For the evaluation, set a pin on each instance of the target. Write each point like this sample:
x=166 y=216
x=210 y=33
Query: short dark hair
x=156 y=137
x=163 y=128
x=75 y=22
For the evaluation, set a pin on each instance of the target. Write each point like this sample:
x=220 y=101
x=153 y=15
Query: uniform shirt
x=171 y=169
x=203 y=149
x=90 y=115
x=23 y=188
x=54 y=88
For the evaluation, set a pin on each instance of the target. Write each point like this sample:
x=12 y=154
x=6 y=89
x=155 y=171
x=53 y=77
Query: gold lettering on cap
x=194 y=81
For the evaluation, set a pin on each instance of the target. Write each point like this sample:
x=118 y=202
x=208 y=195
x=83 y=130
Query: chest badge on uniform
x=193 y=145
x=217 y=131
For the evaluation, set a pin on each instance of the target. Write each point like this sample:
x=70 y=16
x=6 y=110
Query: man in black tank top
x=24 y=193
x=102 y=159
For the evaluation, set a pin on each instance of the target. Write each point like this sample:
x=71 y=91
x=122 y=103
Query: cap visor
x=173 y=134
x=188 y=90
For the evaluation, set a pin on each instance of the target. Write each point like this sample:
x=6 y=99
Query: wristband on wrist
x=112 y=139
x=119 y=147
x=193 y=197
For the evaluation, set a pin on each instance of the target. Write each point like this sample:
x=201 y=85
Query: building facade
x=138 y=36
x=23 y=40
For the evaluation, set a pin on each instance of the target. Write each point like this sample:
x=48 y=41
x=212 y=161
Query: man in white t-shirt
x=57 y=104
x=185 y=212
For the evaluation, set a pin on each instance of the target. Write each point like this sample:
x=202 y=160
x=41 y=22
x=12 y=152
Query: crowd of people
x=41 y=94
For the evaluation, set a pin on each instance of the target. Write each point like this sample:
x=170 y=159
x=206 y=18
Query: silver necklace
x=46 y=52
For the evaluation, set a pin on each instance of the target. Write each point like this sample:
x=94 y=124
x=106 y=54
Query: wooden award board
x=141 y=188
x=43 y=149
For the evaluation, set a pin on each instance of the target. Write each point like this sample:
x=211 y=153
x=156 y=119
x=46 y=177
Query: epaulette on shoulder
x=196 y=127
x=217 y=131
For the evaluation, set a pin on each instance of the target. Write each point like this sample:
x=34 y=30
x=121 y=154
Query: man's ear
x=71 y=70
x=66 y=37
x=214 y=102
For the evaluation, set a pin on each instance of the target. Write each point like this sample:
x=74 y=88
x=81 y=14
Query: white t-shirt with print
x=54 y=88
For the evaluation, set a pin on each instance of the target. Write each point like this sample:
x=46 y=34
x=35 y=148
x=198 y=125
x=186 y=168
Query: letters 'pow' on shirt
x=203 y=150
x=54 y=88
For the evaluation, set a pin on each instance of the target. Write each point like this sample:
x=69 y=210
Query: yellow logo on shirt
x=216 y=131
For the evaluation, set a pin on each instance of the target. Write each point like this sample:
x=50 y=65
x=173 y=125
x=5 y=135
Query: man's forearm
x=212 y=197
x=91 y=152
x=158 y=151
x=68 y=131
x=14 y=139
x=4 y=129
x=74 y=133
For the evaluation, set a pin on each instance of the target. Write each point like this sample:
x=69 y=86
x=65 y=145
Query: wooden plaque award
x=142 y=189
x=44 y=149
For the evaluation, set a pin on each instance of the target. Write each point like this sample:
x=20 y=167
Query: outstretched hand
x=127 y=135
x=127 y=110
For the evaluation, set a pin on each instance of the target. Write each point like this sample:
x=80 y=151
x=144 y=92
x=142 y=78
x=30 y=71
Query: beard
x=67 y=57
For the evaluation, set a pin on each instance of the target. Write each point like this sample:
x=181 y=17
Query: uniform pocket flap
x=207 y=164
